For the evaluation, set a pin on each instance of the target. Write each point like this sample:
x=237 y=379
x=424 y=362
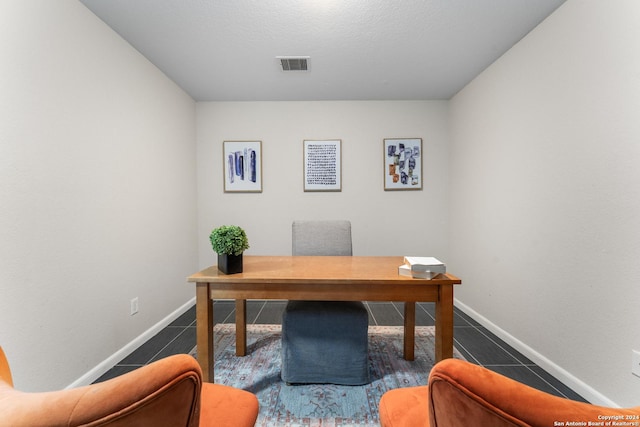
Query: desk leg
x=241 y=327
x=444 y=323
x=204 y=330
x=409 y=329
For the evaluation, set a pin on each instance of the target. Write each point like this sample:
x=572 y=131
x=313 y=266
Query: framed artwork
x=323 y=165
x=403 y=164
x=242 y=166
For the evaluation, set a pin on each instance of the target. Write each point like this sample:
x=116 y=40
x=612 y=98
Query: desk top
x=319 y=269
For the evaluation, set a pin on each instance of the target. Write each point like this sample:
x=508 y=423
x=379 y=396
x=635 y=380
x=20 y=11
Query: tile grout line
x=460 y=346
x=255 y=319
x=375 y=321
x=184 y=329
x=518 y=360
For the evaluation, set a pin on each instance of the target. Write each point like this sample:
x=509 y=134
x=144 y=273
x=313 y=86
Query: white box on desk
x=423 y=264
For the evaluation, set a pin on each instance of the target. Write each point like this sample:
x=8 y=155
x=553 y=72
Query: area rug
x=323 y=405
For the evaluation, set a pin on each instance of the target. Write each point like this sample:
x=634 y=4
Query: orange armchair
x=169 y=392
x=463 y=394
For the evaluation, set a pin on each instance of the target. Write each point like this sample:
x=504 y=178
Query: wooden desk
x=331 y=278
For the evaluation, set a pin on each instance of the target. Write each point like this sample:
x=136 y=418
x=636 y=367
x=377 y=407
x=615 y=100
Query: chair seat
x=222 y=405
x=325 y=342
x=405 y=407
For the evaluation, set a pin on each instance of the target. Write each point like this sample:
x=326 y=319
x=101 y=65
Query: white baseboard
x=116 y=357
x=577 y=385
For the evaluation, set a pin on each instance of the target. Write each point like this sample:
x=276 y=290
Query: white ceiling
x=225 y=50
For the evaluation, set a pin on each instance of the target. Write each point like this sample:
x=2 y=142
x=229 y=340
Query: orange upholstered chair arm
x=165 y=393
x=461 y=393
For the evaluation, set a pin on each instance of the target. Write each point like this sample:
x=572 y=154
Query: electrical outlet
x=635 y=358
x=134 y=306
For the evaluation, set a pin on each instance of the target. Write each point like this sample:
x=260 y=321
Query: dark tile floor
x=474 y=341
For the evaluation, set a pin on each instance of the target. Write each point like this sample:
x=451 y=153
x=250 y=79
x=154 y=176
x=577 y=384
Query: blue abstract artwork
x=242 y=166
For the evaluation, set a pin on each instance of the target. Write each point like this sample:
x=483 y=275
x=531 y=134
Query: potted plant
x=229 y=241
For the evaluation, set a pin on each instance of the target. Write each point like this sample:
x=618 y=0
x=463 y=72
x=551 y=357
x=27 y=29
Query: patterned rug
x=323 y=405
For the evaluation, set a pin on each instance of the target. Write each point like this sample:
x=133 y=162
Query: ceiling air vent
x=294 y=63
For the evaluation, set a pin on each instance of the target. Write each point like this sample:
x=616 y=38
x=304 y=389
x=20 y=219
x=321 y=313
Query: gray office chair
x=321 y=238
x=324 y=341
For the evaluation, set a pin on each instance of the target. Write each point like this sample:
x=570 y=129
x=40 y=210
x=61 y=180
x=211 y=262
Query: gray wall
x=97 y=191
x=545 y=196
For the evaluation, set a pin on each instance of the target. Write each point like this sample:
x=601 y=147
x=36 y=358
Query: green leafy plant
x=229 y=240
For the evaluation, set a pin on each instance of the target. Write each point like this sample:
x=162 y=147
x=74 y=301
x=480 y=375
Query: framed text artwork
x=242 y=166
x=323 y=165
x=403 y=164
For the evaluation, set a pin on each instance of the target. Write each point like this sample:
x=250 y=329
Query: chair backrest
x=5 y=371
x=323 y=237
x=462 y=393
x=164 y=393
